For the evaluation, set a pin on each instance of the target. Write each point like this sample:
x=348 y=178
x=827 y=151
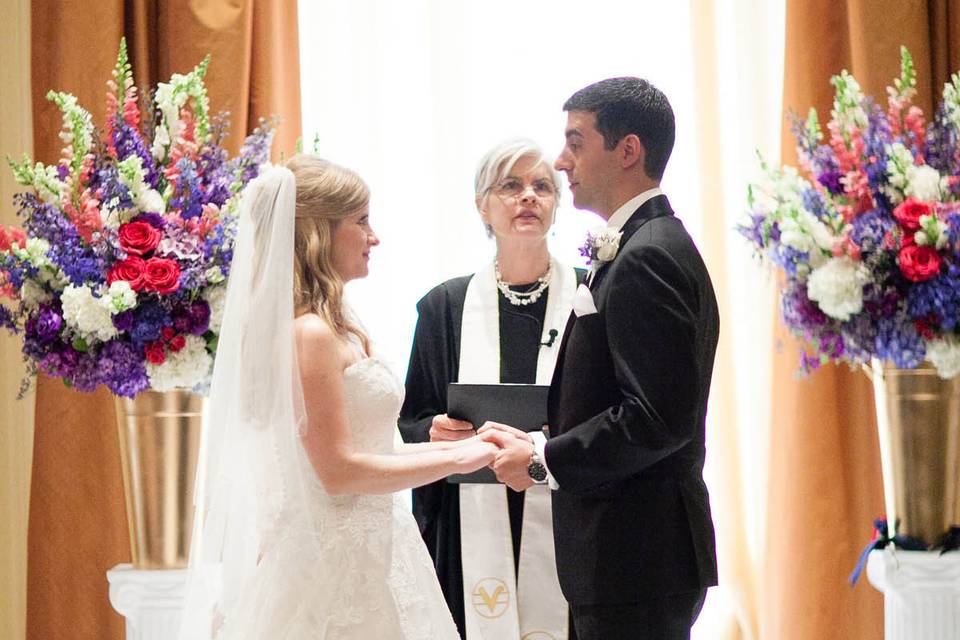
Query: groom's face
x=585 y=161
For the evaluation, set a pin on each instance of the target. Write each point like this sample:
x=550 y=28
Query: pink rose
x=919 y=263
x=130 y=270
x=162 y=275
x=908 y=213
x=139 y=238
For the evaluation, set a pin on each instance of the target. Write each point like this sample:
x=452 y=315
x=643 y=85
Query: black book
x=523 y=406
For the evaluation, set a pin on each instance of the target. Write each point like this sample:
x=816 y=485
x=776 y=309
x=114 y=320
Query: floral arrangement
x=117 y=277
x=867 y=233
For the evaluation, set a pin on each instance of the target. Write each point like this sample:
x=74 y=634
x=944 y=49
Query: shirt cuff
x=540 y=446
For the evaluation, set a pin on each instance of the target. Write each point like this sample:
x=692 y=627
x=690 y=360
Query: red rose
x=162 y=275
x=139 y=238
x=154 y=353
x=908 y=213
x=178 y=343
x=919 y=263
x=131 y=270
x=167 y=333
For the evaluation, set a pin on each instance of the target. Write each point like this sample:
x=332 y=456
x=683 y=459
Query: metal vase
x=159 y=448
x=918 y=420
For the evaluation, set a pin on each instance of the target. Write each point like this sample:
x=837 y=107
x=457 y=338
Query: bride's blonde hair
x=326 y=194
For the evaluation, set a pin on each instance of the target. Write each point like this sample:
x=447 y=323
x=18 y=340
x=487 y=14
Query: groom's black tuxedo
x=627 y=407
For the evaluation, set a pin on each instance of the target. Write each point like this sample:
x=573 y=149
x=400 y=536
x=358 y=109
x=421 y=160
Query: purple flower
x=938 y=298
x=831 y=180
x=870 y=228
x=152 y=218
x=123 y=321
x=48 y=323
x=876 y=138
x=188 y=196
x=754 y=230
x=799 y=312
x=85 y=376
x=149 y=319
x=61 y=362
x=897 y=340
x=122 y=369
x=67 y=249
x=199 y=317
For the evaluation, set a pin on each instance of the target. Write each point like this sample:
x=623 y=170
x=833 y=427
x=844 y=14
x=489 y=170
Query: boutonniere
x=601 y=246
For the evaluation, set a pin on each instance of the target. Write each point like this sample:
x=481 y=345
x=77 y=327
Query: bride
x=298 y=533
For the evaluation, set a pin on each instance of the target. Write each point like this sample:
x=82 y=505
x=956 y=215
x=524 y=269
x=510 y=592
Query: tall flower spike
x=77 y=128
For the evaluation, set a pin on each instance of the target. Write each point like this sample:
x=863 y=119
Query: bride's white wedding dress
x=273 y=555
x=370 y=576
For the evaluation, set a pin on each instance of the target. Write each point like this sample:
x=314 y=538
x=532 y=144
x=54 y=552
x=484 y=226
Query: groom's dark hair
x=630 y=105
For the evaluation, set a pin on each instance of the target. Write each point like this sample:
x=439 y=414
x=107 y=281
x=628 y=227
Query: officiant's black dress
x=434 y=362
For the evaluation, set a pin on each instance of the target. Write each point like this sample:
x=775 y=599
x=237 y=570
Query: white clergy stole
x=500 y=604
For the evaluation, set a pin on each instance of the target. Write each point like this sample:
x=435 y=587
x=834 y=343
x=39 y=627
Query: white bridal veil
x=252 y=479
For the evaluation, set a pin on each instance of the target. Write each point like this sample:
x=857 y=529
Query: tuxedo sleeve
x=650 y=320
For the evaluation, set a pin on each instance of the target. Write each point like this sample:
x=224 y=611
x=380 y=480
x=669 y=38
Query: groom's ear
x=631 y=151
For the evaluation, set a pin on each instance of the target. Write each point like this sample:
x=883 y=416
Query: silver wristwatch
x=536 y=469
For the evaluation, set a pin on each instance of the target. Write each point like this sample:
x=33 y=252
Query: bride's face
x=352 y=240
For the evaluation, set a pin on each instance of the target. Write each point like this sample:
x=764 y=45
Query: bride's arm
x=327 y=437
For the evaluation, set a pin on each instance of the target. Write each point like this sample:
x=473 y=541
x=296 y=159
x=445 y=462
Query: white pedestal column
x=149 y=600
x=921 y=593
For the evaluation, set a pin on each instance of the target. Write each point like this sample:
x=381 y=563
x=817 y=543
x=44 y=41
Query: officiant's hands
x=447 y=429
x=512 y=460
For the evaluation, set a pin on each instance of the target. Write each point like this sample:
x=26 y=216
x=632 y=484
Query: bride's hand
x=474 y=453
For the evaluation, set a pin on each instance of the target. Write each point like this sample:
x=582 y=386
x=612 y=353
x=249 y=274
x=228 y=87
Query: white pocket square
x=583 y=301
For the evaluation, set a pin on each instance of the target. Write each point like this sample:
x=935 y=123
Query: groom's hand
x=513 y=458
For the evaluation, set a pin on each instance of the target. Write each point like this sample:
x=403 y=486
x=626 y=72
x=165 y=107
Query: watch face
x=537 y=471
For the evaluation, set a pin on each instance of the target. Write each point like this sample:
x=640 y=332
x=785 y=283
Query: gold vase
x=918 y=420
x=159 y=447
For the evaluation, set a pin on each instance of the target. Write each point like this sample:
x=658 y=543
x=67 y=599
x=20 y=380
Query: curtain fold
x=825 y=480
x=16 y=426
x=77 y=527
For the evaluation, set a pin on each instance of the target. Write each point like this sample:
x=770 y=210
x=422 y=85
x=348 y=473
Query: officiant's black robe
x=435 y=362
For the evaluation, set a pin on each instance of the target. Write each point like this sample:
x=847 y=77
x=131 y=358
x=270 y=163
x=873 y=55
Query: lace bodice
x=373 y=396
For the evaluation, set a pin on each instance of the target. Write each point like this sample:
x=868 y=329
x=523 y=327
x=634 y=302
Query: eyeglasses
x=513 y=188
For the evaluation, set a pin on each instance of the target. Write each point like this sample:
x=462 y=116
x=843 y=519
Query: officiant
x=493 y=547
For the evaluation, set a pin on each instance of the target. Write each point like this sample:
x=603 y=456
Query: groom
x=632 y=527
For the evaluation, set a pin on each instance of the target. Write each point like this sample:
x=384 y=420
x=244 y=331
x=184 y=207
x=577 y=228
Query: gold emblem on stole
x=539 y=635
x=490 y=598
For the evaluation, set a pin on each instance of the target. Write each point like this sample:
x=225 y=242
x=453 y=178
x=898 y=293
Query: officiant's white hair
x=497 y=163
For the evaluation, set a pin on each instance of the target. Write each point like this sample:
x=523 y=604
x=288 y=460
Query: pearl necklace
x=520 y=298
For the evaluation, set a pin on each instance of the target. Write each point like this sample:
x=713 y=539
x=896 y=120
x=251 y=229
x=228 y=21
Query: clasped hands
x=515 y=447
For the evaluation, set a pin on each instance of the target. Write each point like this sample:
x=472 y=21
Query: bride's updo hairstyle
x=326 y=194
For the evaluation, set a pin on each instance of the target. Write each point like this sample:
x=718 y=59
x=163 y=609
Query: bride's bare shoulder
x=317 y=341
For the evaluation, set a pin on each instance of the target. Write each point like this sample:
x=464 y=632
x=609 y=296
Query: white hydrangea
x=183 y=369
x=837 y=287
x=33 y=295
x=216 y=297
x=119 y=297
x=924 y=183
x=945 y=356
x=87 y=315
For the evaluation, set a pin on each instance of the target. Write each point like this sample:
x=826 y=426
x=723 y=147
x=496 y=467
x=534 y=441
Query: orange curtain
x=826 y=486
x=77 y=528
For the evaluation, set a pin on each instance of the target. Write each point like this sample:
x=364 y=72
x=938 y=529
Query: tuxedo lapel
x=653 y=208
